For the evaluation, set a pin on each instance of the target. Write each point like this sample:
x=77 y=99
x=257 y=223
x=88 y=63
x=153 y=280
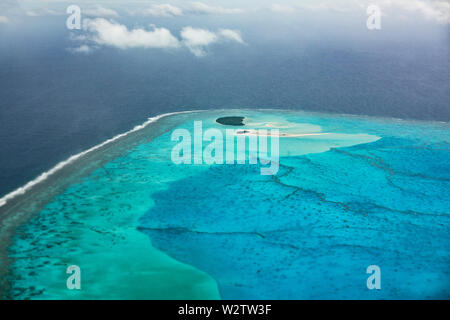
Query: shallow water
x=371 y=191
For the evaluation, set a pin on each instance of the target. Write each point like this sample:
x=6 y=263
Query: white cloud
x=31 y=13
x=196 y=40
x=164 y=10
x=39 y=12
x=229 y=34
x=113 y=34
x=102 y=32
x=334 y=5
x=202 y=8
x=437 y=10
x=81 y=49
x=53 y=12
x=281 y=8
x=3 y=19
x=99 y=11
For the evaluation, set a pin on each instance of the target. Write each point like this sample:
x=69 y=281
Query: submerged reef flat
x=350 y=192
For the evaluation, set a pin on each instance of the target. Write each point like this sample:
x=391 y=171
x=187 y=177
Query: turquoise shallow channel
x=350 y=192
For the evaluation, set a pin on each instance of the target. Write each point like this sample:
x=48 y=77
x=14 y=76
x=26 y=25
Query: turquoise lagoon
x=368 y=192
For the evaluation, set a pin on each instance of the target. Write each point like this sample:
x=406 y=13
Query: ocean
x=372 y=190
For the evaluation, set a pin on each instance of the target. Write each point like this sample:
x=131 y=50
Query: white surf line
x=43 y=176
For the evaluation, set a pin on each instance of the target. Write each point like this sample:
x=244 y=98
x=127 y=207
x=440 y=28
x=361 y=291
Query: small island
x=231 y=121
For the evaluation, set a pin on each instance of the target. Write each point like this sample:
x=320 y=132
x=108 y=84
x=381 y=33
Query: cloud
x=31 y=13
x=437 y=10
x=195 y=7
x=3 y=19
x=110 y=33
x=229 y=34
x=39 y=12
x=99 y=11
x=53 y=12
x=196 y=40
x=434 y=10
x=281 y=8
x=164 y=10
x=334 y=5
x=202 y=8
x=6 y=6
x=102 y=32
x=81 y=49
